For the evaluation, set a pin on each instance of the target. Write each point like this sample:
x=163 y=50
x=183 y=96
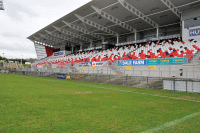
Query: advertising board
x=169 y=61
x=61 y=76
x=114 y=63
x=194 y=32
x=99 y=63
x=56 y=53
x=94 y=64
x=68 y=77
x=125 y=63
x=131 y=62
x=128 y=67
x=59 y=53
x=85 y=64
x=152 y=67
x=92 y=67
x=139 y=62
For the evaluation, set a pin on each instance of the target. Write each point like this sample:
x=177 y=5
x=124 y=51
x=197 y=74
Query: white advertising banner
x=100 y=63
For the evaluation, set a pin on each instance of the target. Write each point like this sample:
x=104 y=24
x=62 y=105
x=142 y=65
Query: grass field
x=36 y=104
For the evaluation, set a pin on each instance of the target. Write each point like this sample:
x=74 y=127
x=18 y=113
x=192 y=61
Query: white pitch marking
x=172 y=123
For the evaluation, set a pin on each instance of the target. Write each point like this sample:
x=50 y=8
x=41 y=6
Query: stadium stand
x=168 y=48
x=131 y=37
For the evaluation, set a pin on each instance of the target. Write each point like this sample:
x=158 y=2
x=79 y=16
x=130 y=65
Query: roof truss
x=114 y=20
x=46 y=37
x=83 y=30
x=72 y=34
x=98 y=26
x=138 y=13
x=70 y=40
x=172 y=7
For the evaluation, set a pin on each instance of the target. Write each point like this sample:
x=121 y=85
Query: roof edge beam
x=138 y=13
x=113 y=19
x=98 y=26
x=83 y=30
x=172 y=7
x=43 y=41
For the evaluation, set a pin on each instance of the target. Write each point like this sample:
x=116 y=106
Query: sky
x=22 y=18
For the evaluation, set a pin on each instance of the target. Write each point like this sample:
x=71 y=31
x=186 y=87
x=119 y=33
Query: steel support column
x=136 y=37
x=117 y=39
x=72 y=49
x=157 y=33
x=91 y=44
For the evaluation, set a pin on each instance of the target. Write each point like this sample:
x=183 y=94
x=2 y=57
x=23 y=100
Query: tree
x=3 y=58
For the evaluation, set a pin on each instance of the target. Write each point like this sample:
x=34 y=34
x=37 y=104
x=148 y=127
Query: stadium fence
x=191 y=85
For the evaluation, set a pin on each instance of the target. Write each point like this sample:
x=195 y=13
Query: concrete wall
x=191 y=13
x=186 y=15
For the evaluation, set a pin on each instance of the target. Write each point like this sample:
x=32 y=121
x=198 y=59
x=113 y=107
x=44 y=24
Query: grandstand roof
x=130 y=16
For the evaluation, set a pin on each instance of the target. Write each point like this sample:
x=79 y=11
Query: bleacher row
x=168 y=48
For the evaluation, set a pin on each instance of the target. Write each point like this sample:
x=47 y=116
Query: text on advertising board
x=194 y=32
x=139 y=62
x=85 y=64
x=99 y=63
x=56 y=54
x=168 y=61
x=131 y=62
x=125 y=63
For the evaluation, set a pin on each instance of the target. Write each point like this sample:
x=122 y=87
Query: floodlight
x=1 y=5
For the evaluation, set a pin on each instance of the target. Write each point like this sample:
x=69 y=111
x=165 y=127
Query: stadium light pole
x=2 y=59
x=21 y=60
x=1 y=5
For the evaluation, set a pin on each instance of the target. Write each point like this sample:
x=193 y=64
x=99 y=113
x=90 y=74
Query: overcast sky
x=22 y=18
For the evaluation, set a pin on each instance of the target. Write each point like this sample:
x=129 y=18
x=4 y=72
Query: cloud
x=16 y=50
x=10 y=35
x=14 y=9
x=21 y=18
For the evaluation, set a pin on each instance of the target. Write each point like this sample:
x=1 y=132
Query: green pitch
x=36 y=104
